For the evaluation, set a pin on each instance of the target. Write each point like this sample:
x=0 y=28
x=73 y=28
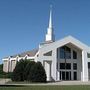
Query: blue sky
x=23 y=23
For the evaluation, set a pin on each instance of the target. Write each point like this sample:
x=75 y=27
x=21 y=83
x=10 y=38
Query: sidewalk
x=55 y=83
x=4 y=82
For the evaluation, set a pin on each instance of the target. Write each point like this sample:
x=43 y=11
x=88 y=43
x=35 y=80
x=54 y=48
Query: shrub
x=18 y=73
x=1 y=68
x=28 y=69
x=4 y=74
x=37 y=73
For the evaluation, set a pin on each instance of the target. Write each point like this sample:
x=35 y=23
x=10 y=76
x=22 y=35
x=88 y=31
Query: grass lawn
x=78 y=87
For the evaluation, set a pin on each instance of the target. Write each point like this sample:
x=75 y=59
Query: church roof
x=66 y=40
x=30 y=53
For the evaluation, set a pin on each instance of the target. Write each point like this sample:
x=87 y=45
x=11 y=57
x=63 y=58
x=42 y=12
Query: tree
x=28 y=69
x=37 y=73
x=18 y=73
x=1 y=68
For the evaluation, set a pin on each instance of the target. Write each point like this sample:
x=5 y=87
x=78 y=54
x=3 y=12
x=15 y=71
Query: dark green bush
x=5 y=75
x=1 y=68
x=37 y=73
x=18 y=73
x=29 y=71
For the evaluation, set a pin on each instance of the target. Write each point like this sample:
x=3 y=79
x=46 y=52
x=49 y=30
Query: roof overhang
x=67 y=40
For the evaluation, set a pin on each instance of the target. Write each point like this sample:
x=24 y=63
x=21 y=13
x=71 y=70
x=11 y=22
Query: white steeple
x=50 y=19
x=50 y=34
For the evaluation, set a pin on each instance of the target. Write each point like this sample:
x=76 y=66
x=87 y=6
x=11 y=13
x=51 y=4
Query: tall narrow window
x=88 y=65
x=74 y=66
x=74 y=55
x=75 y=75
x=65 y=52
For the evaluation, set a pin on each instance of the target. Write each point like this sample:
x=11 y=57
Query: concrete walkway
x=4 y=82
x=55 y=83
x=70 y=83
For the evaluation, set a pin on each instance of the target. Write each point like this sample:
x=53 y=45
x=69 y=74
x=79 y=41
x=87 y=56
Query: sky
x=24 y=23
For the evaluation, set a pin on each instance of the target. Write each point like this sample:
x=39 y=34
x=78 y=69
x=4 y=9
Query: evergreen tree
x=18 y=73
x=37 y=73
x=28 y=69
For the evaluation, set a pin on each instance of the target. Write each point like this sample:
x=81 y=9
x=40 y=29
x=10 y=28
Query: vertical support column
x=58 y=72
x=72 y=71
x=49 y=71
x=9 y=66
x=54 y=65
x=58 y=75
x=5 y=65
x=47 y=66
x=84 y=66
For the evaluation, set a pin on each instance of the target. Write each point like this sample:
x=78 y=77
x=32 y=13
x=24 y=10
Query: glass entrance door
x=65 y=75
x=75 y=75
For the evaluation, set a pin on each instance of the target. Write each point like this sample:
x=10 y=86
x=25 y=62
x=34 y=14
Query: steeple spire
x=50 y=19
x=50 y=34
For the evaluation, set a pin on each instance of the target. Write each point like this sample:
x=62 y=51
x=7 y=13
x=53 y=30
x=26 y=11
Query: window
x=74 y=66
x=74 y=75
x=68 y=66
x=88 y=65
x=65 y=52
x=62 y=66
x=88 y=55
x=48 y=53
x=74 y=55
x=37 y=55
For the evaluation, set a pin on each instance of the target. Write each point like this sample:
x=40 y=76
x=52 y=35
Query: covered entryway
x=69 y=58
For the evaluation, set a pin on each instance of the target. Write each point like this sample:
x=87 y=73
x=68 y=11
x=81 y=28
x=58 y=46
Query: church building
x=65 y=59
